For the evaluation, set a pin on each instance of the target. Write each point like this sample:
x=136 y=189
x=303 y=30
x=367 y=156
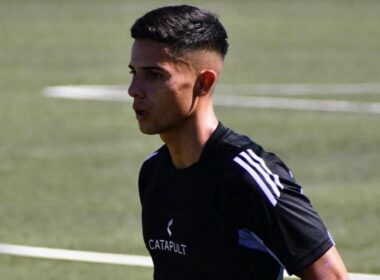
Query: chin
x=149 y=130
x=155 y=129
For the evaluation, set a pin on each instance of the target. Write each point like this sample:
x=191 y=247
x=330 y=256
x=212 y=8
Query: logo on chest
x=167 y=245
x=169 y=226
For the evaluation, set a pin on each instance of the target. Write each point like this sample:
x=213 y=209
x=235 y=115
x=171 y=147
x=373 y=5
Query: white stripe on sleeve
x=257 y=178
x=264 y=174
x=265 y=167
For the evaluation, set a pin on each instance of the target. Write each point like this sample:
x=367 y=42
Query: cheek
x=184 y=96
x=172 y=97
x=179 y=95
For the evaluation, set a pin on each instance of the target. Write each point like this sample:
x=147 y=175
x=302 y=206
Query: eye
x=155 y=75
x=132 y=72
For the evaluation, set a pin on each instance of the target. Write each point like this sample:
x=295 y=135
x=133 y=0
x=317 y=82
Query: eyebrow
x=155 y=68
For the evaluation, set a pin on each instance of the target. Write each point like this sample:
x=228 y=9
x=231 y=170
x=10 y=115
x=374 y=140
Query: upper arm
x=276 y=210
x=329 y=267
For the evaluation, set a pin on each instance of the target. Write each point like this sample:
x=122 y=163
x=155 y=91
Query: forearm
x=328 y=267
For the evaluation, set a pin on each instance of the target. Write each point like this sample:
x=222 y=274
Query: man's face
x=162 y=87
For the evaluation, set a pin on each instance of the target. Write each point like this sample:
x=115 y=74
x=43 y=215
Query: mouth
x=140 y=114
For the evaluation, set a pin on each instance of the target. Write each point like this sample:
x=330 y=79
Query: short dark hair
x=184 y=28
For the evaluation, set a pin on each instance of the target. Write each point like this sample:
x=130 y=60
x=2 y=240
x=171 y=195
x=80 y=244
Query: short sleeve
x=273 y=209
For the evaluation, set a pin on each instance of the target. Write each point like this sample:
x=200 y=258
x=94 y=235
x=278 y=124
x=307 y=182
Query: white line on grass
x=297 y=104
x=119 y=93
x=274 y=89
x=105 y=258
x=89 y=92
x=62 y=254
x=301 y=89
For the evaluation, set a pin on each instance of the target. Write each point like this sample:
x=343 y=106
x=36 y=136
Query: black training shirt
x=236 y=214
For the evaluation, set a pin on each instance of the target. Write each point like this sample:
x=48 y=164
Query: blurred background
x=68 y=168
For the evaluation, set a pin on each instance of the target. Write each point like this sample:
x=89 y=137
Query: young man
x=215 y=205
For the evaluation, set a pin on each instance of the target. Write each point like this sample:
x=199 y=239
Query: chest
x=179 y=213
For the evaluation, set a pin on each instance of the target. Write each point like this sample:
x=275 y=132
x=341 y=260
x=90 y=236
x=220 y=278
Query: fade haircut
x=183 y=28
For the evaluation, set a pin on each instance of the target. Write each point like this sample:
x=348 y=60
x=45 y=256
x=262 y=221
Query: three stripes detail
x=268 y=182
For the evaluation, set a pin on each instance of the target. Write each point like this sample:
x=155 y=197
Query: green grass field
x=68 y=168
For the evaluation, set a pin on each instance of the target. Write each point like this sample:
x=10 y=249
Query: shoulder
x=245 y=155
x=147 y=171
x=233 y=139
x=152 y=159
x=255 y=160
x=228 y=145
x=149 y=166
x=252 y=170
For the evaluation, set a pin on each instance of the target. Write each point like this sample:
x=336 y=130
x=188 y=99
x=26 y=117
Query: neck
x=186 y=143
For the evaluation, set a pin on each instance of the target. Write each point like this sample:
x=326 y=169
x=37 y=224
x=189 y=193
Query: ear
x=205 y=82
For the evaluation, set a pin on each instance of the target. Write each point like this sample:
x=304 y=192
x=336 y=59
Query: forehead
x=148 y=52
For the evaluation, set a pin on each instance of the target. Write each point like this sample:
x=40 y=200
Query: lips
x=140 y=112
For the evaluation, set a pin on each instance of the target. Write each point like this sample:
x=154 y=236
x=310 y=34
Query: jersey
x=236 y=214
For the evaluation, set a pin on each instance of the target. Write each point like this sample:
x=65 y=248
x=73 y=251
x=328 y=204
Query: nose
x=136 y=89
